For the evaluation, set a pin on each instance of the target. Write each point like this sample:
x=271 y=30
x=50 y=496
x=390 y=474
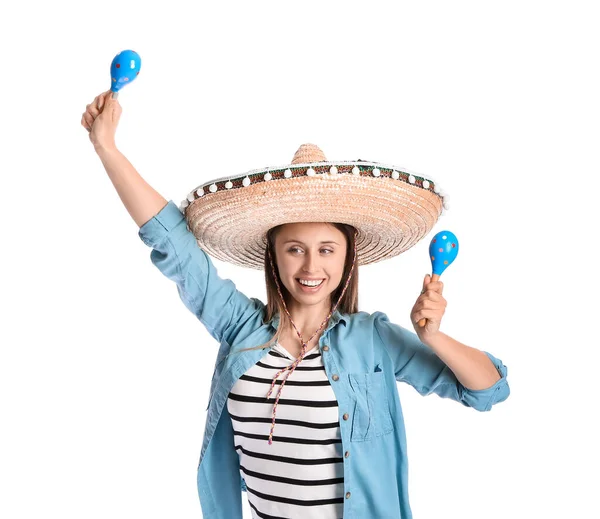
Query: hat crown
x=308 y=153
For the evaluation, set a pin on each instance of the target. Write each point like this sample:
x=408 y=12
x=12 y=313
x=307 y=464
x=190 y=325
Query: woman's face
x=310 y=251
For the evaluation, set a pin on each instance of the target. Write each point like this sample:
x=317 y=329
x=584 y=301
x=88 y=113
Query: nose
x=310 y=263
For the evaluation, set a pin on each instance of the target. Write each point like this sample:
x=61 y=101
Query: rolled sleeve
x=215 y=301
x=484 y=399
x=417 y=365
x=155 y=230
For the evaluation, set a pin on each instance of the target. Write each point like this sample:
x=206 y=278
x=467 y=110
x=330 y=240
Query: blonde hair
x=348 y=303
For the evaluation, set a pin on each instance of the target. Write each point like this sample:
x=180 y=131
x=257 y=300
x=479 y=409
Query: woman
x=340 y=446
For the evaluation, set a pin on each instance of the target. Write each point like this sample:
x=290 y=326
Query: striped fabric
x=301 y=475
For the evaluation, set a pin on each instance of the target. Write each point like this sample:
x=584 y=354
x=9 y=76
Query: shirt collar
x=336 y=317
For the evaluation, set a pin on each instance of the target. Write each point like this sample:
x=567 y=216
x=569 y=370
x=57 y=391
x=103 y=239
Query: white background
x=104 y=374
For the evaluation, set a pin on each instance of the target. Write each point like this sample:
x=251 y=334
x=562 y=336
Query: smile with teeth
x=311 y=284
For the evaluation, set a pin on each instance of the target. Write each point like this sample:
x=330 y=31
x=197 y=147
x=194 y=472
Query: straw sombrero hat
x=391 y=208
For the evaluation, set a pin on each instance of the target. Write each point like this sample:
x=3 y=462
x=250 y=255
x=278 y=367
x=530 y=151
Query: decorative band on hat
x=368 y=170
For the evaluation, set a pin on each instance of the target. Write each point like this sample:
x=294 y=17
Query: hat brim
x=390 y=214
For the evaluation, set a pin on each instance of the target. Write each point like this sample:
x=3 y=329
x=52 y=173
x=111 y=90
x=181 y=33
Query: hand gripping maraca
x=124 y=68
x=442 y=252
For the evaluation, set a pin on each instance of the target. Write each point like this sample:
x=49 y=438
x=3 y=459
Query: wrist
x=433 y=341
x=104 y=149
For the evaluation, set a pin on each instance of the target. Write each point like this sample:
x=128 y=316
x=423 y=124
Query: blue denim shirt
x=365 y=357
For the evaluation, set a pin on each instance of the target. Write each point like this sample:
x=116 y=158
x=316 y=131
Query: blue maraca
x=123 y=70
x=443 y=250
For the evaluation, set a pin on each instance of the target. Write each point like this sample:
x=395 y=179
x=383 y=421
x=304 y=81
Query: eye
x=292 y=249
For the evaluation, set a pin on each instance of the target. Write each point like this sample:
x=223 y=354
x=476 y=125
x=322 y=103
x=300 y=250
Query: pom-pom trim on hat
x=337 y=169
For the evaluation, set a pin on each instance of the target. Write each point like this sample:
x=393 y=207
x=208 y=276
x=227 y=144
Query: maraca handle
x=434 y=277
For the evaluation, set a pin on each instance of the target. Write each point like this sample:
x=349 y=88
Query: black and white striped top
x=301 y=474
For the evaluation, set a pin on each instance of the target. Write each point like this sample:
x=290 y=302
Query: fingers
x=113 y=105
x=429 y=304
x=87 y=121
x=435 y=286
x=103 y=97
x=429 y=309
x=431 y=295
x=430 y=315
x=98 y=106
x=91 y=112
x=94 y=109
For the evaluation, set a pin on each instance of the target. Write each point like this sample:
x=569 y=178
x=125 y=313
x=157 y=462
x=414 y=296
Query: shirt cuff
x=484 y=399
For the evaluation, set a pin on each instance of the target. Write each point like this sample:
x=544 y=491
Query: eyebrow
x=321 y=243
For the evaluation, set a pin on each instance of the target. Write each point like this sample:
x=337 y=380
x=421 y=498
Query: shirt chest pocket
x=371 y=416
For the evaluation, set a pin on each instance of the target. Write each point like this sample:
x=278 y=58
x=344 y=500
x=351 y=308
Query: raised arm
x=141 y=200
x=101 y=118
x=225 y=311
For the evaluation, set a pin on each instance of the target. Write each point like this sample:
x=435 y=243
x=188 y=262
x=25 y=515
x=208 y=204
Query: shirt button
x=345 y=416
x=346 y=454
x=335 y=377
x=347 y=495
x=325 y=348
